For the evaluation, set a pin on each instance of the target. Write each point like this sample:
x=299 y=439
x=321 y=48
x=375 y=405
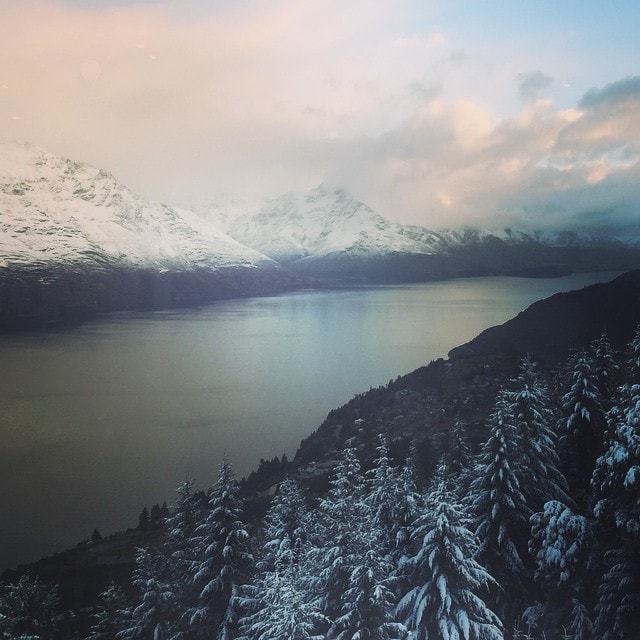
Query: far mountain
x=328 y=235
x=323 y=223
x=74 y=241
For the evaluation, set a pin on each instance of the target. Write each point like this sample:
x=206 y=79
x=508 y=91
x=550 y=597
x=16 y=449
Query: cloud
x=530 y=84
x=454 y=163
x=183 y=101
x=616 y=93
x=176 y=100
x=425 y=92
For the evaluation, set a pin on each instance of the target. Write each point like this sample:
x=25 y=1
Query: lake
x=98 y=421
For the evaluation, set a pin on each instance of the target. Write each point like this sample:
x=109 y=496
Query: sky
x=435 y=112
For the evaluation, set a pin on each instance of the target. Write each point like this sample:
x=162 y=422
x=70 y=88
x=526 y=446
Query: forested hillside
x=525 y=527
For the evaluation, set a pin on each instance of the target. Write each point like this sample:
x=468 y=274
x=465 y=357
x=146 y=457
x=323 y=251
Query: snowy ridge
x=324 y=222
x=58 y=211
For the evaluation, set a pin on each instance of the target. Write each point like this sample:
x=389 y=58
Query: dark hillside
x=548 y=329
x=422 y=406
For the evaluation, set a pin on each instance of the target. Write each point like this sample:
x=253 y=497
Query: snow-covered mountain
x=324 y=222
x=66 y=225
x=328 y=234
x=59 y=211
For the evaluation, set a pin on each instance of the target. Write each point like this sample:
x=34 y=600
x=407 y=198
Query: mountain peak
x=322 y=221
x=56 y=210
x=74 y=241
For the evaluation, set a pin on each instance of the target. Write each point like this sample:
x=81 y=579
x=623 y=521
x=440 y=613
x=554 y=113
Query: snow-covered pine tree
x=447 y=600
x=152 y=617
x=410 y=506
x=285 y=528
x=629 y=377
x=561 y=541
x=368 y=604
x=111 y=615
x=501 y=513
x=633 y=358
x=282 y=609
x=607 y=368
x=583 y=428
x=539 y=464
x=29 y=609
x=616 y=477
x=339 y=529
x=618 y=607
x=179 y=550
x=458 y=457
x=223 y=561
x=563 y=544
x=581 y=626
x=616 y=487
x=384 y=499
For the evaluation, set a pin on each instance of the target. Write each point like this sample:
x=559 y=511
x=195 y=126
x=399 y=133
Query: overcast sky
x=434 y=112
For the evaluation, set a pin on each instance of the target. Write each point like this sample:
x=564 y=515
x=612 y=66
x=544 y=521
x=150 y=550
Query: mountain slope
x=424 y=405
x=549 y=328
x=328 y=235
x=67 y=226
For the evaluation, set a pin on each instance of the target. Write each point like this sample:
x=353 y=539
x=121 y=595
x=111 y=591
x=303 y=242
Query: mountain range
x=75 y=242
x=328 y=235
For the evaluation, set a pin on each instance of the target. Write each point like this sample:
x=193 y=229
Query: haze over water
x=99 y=421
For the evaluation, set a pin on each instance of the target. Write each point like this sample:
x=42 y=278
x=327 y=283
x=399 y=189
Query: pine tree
x=282 y=609
x=386 y=501
x=583 y=431
x=152 y=617
x=29 y=609
x=223 y=560
x=111 y=616
x=410 y=505
x=618 y=607
x=616 y=486
x=633 y=354
x=458 y=457
x=285 y=528
x=539 y=464
x=144 y=520
x=340 y=528
x=563 y=544
x=581 y=626
x=616 y=478
x=501 y=511
x=447 y=600
x=179 y=550
x=368 y=604
x=606 y=367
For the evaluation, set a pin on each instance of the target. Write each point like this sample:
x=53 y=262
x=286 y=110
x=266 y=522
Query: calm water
x=97 y=422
